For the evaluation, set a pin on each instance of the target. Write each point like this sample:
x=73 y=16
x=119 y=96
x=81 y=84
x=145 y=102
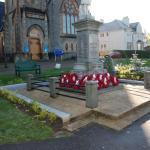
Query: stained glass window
x=70 y=10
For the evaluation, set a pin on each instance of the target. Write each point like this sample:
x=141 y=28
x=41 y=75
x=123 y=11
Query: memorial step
x=117 y=123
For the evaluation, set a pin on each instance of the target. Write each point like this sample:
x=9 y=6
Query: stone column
x=52 y=85
x=88 y=46
x=29 y=82
x=147 y=80
x=92 y=94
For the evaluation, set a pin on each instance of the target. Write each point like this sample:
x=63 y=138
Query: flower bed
x=127 y=72
x=32 y=109
x=73 y=81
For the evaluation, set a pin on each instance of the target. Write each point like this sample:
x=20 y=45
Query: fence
x=51 y=86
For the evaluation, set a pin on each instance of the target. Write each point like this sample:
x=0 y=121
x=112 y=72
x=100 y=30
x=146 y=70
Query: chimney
x=125 y=20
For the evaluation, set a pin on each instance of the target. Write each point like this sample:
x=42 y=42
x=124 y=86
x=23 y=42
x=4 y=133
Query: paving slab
x=69 y=105
x=118 y=102
x=118 y=107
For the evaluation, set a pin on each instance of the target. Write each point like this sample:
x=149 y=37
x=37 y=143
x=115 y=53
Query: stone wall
x=51 y=26
x=1 y=44
x=56 y=39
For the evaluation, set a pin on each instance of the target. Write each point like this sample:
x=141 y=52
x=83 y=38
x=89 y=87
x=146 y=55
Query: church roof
x=2 y=13
x=117 y=25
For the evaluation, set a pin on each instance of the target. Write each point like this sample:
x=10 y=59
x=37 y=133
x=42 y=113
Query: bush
x=52 y=117
x=43 y=114
x=127 y=72
x=108 y=64
x=35 y=106
x=128 y=53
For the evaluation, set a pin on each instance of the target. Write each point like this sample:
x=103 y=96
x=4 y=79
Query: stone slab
x=72 y=106
x=118 y=106
x=14 y=87
x=117 y=103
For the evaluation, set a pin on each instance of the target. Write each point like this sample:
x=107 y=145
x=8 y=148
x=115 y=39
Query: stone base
x=88 y=68
x=118 y=107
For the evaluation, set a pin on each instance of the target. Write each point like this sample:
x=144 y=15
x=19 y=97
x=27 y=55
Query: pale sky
x=136 y=10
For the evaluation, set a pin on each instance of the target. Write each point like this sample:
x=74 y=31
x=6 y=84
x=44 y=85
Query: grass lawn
x=126 y=61
x=16 y=126
x=7 y=79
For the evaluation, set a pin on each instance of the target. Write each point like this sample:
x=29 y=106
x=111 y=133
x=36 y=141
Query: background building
x=121 y=35
x=2 y=13
x=42 y=25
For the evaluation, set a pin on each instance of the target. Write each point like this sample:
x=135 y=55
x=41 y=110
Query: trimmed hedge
x=34 y=106
x=128 y=53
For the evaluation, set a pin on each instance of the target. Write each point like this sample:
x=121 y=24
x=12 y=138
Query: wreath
x=71 y=80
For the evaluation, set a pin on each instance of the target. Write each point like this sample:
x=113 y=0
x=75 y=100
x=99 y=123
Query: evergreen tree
x=108 y=64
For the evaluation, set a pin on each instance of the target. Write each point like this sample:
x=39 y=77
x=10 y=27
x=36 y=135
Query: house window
x=72 y=47
x=101 y=46
x=70 y=13
x=105 y=46
x=107 y=34
x=102 y=35
x=129 y=45
x=66 y=46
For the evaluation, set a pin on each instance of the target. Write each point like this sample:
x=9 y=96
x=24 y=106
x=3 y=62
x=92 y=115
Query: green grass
x=16 y=126
x=126 y=61
x=55 y=72
x=8 y=79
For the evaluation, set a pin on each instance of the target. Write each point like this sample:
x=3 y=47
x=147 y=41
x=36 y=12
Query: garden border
x=63 y=115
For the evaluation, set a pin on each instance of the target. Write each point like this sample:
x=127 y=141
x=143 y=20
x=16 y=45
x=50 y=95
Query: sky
x=109 y=10
x=136 y=10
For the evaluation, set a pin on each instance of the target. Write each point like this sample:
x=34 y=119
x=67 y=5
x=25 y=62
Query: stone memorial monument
x=88 y=41
x=84 y=10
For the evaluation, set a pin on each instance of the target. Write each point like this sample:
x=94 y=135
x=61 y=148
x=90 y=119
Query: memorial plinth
x=88 y=46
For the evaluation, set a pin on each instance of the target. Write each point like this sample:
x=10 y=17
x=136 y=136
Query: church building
x=40 y=26
x=2 y=11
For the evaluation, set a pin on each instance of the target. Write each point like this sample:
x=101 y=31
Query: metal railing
x=88 y=93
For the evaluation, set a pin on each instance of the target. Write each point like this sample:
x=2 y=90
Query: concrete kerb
x=63 y=115
x=14 y=87
x=131 y=81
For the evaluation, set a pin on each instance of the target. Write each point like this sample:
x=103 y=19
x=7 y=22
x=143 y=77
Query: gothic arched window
x=66 y=46
x=70 y=12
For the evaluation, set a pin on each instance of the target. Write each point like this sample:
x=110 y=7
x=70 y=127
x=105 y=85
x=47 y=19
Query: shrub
x=52 y=117
x=127 y=72
x=128 y=53
x=108 y=64
x=43 y=114
x=36 y=107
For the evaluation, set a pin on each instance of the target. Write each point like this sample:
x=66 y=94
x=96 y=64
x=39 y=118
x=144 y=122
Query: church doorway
x=35 y=48
x=35 y=39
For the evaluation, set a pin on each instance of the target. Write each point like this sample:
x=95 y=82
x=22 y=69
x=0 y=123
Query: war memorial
x=89 y=93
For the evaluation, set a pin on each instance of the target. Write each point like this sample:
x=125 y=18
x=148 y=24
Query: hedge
x=128 y=53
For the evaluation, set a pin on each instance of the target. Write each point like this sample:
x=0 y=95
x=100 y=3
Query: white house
x=121 y=35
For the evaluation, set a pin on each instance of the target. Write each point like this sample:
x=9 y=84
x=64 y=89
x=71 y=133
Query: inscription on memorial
x=93 y=45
